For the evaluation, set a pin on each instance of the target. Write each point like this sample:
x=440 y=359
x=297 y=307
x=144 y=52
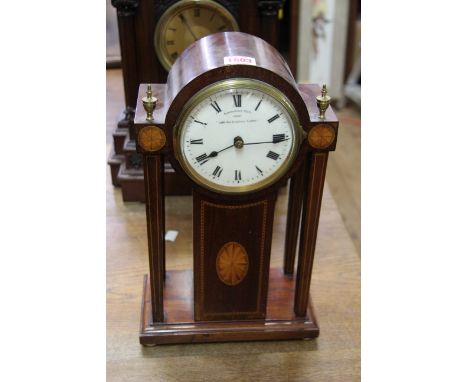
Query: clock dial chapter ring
x=187 y=21
x=268 y=155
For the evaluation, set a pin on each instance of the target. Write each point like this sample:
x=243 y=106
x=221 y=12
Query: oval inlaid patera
x=151 y=138
x=321 y=136
x=232 y=263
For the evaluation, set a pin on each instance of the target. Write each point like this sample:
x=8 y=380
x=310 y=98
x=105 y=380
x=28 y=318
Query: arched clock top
x=210 y=51
x=221 y=56
x=203 y=63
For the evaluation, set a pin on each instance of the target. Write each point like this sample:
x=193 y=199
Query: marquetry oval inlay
x=232 y=263
x=321 y=136
x=151 y=138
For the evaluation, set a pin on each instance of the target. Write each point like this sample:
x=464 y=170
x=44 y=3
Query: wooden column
x=269 y=20
x=126 y=22
x=316 y=166
x=296 y=187
x=154 y=190
x=293 y=35
x=249 y=17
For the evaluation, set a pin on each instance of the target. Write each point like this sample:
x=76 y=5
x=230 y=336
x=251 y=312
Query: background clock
x=186 y=22
x=237 y=136
x=140 y=23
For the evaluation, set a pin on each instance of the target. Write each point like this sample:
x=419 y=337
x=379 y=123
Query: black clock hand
x=184 y=21
x=215 y=153
x=239 y=143
x=259 y=143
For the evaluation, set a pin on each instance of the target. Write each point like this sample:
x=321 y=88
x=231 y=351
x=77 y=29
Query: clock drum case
x=233 y=121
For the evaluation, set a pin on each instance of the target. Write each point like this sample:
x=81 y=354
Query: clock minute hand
x=184 y=21
x=259 y=143
x=239 y=143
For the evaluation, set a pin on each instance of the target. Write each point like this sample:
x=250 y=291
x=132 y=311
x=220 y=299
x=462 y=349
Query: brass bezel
x=236 y=83
x=180 y=6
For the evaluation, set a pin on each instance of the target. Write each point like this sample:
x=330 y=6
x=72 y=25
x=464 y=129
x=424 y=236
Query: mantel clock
x=232 y=119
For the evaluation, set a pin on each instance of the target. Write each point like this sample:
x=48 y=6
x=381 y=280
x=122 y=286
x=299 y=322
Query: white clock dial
x=237 y=138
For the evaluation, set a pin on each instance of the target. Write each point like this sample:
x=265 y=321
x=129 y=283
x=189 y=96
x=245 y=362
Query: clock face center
x=238 y=142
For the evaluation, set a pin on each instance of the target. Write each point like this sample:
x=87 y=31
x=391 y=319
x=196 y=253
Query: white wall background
x=322 y=55
x=112 y=34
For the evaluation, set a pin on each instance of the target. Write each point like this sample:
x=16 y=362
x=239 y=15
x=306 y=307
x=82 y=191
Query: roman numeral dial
x=215 y=106
x=202 y=159
x=258 y=104
x=237 y=100
x=274 y=118
x=217 y=171
x=237 y=138
x=279 y=138
x=272 y=155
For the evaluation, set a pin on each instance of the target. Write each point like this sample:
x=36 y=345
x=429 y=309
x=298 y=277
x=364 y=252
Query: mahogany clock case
x=274 y=21
x=273 y=317
x=194 y=71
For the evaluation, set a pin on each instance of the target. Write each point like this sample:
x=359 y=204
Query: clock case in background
x=137 y=20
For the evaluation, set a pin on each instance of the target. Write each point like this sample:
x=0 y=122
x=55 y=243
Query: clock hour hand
x=215 y=153
x=184 y=21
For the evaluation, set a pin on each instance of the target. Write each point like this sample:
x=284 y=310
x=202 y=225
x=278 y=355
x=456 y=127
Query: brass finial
x=323 y=102
x=149 y=103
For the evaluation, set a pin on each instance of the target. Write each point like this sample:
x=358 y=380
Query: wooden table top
x=335 y=291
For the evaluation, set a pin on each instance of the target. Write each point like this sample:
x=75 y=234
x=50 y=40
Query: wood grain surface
x=180 y=327
x=335 y=290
